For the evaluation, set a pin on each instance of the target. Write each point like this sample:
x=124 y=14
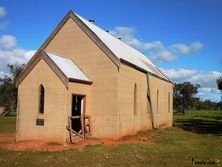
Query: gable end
x=88 y=32
x=43 y=55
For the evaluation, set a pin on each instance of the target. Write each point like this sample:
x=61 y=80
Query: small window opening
x=168 y=101
x=41 y=99
x=157 y=101
x=135 y=99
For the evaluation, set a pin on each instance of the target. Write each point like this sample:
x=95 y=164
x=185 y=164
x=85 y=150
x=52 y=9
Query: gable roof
x=115 y=49
x=64 y=68
x=118 y=51
x=123 y=51
x=68 y=67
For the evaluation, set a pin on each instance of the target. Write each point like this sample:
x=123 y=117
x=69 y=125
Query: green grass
x=7 y=124
x=205 y=114
x=175 y=147
x=202 y=122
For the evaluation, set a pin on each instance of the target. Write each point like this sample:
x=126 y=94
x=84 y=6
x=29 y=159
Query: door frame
x=83 y=110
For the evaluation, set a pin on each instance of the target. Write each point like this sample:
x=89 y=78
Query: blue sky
x=182 y=37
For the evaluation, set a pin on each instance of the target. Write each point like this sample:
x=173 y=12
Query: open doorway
x=78 y=109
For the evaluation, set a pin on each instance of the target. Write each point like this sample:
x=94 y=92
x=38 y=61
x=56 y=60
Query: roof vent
x=107 y=30
x=92 y=21
x=119 y=38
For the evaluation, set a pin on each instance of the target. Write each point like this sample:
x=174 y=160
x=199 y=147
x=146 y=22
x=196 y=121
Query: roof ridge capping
x=121 y=50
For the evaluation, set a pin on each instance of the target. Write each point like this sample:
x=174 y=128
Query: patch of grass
x=7 y=124
x=206 y=114
x=174 y=147
x=207 y=122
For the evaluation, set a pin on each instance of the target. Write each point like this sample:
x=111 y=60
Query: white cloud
x=210 y=90
x=153 y=45
x=29 y=54
x=179 y=75
x=10 y=53
x=207 y=81
x=164 y=55
x=124 y=30
x=7 y=42
x=15 y=55
x=128 y=36
x=2 y=74
x=2 y=11
x=187 y=49
x=155 y=49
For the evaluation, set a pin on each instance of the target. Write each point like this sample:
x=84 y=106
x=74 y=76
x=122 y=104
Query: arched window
x=41 y=99
x=157 y=101
x=168 y=101
x=135 y=99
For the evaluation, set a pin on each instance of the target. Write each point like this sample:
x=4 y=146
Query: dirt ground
x=8 y=142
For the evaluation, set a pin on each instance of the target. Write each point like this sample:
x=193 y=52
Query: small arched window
x=157 y=101
x=135 y=99
x=169 y=101
x=41 y=99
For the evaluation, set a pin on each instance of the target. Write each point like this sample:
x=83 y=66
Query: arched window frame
x=169 y=101
x=135 y=99
x=41 y=99
x=157 y=101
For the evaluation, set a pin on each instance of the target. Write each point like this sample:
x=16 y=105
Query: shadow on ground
x=199 y=125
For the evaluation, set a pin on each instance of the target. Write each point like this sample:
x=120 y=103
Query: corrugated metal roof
x=122 y=50
x=68 y=67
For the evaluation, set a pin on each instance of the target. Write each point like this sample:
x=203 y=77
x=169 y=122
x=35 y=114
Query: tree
x=184 y=95
x=8 y=90
x=219 y=84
